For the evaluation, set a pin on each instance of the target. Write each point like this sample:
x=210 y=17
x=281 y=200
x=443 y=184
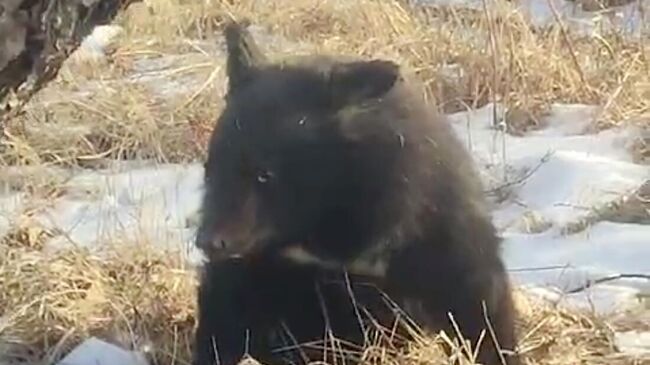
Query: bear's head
x=304 y=152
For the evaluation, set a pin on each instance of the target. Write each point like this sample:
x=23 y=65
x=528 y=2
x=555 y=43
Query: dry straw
x=157 y=96
x=143 y=298
x=464 y=57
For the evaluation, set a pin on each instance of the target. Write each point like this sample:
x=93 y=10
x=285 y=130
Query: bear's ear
x=357 y=81
x=244 y=56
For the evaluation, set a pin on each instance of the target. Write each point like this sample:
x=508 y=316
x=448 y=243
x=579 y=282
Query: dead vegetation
x=160 y=85
x=632 y=208
x=157 y=95
x=143 y=298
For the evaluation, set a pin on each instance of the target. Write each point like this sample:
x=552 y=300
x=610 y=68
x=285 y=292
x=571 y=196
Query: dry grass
x=51 y=302
x=159 y=92
x=144 y=298
x=631 y=208
x=465 y=58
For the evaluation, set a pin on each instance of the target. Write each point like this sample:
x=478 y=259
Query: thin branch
x=523 y=178
x=605 y=279
x=567 y=41
x=541 y=268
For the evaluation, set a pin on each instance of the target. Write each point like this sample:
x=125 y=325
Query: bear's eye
x=264 y=176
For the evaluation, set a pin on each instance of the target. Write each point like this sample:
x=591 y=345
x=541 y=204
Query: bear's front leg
x=221 y=334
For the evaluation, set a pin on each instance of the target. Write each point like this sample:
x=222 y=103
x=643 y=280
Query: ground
x=103 y=171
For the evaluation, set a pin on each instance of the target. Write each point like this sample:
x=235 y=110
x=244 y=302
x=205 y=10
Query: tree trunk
x=37 y=36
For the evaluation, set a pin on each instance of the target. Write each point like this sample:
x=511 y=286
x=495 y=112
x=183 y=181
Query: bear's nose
x=214 y=246
x=208 y=241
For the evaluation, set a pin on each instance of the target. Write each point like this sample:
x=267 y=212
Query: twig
x=605 y=279
x=524 y=177
x=492 y=333
x=501 y=127
x=205 y=85
x=348 y=286
x=569 y=45
x=541 y=268
x=612 y=97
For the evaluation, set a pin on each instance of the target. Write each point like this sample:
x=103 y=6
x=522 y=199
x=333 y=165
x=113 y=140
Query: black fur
x=255 y=307
x=340 y=159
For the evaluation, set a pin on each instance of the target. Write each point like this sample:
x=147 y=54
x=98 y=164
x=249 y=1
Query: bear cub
x=331 y=191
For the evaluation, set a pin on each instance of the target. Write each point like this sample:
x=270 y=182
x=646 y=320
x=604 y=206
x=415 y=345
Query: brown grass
x=159 y=92
x=465 y=58
x=51 y=302
x=143 y=298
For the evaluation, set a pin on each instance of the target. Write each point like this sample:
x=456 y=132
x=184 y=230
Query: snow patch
x=145 y=204
x=557 y=176
x=565 y=174
x=628 y=17
x=94 y=351
x=633 y=342
x=10 y=207
x=555 y=172
x=95 y=45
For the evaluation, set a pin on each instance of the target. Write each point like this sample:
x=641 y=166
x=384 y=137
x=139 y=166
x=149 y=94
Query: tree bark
x=37 y=36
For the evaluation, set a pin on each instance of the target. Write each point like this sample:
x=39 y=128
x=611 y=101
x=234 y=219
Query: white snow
x=567 y=263
x=94 y=46
x=10 y=206
x=150 y=203
x=633 y=342
x=145 y=202
x=94 y=351
x=158 y=203
x=628 y=18
x=562 y=172
x=555 y=176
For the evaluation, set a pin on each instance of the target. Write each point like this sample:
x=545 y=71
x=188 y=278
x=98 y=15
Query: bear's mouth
x=298 y=254
x=222 y=249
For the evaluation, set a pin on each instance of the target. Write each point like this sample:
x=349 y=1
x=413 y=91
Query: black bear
x=332 y=189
